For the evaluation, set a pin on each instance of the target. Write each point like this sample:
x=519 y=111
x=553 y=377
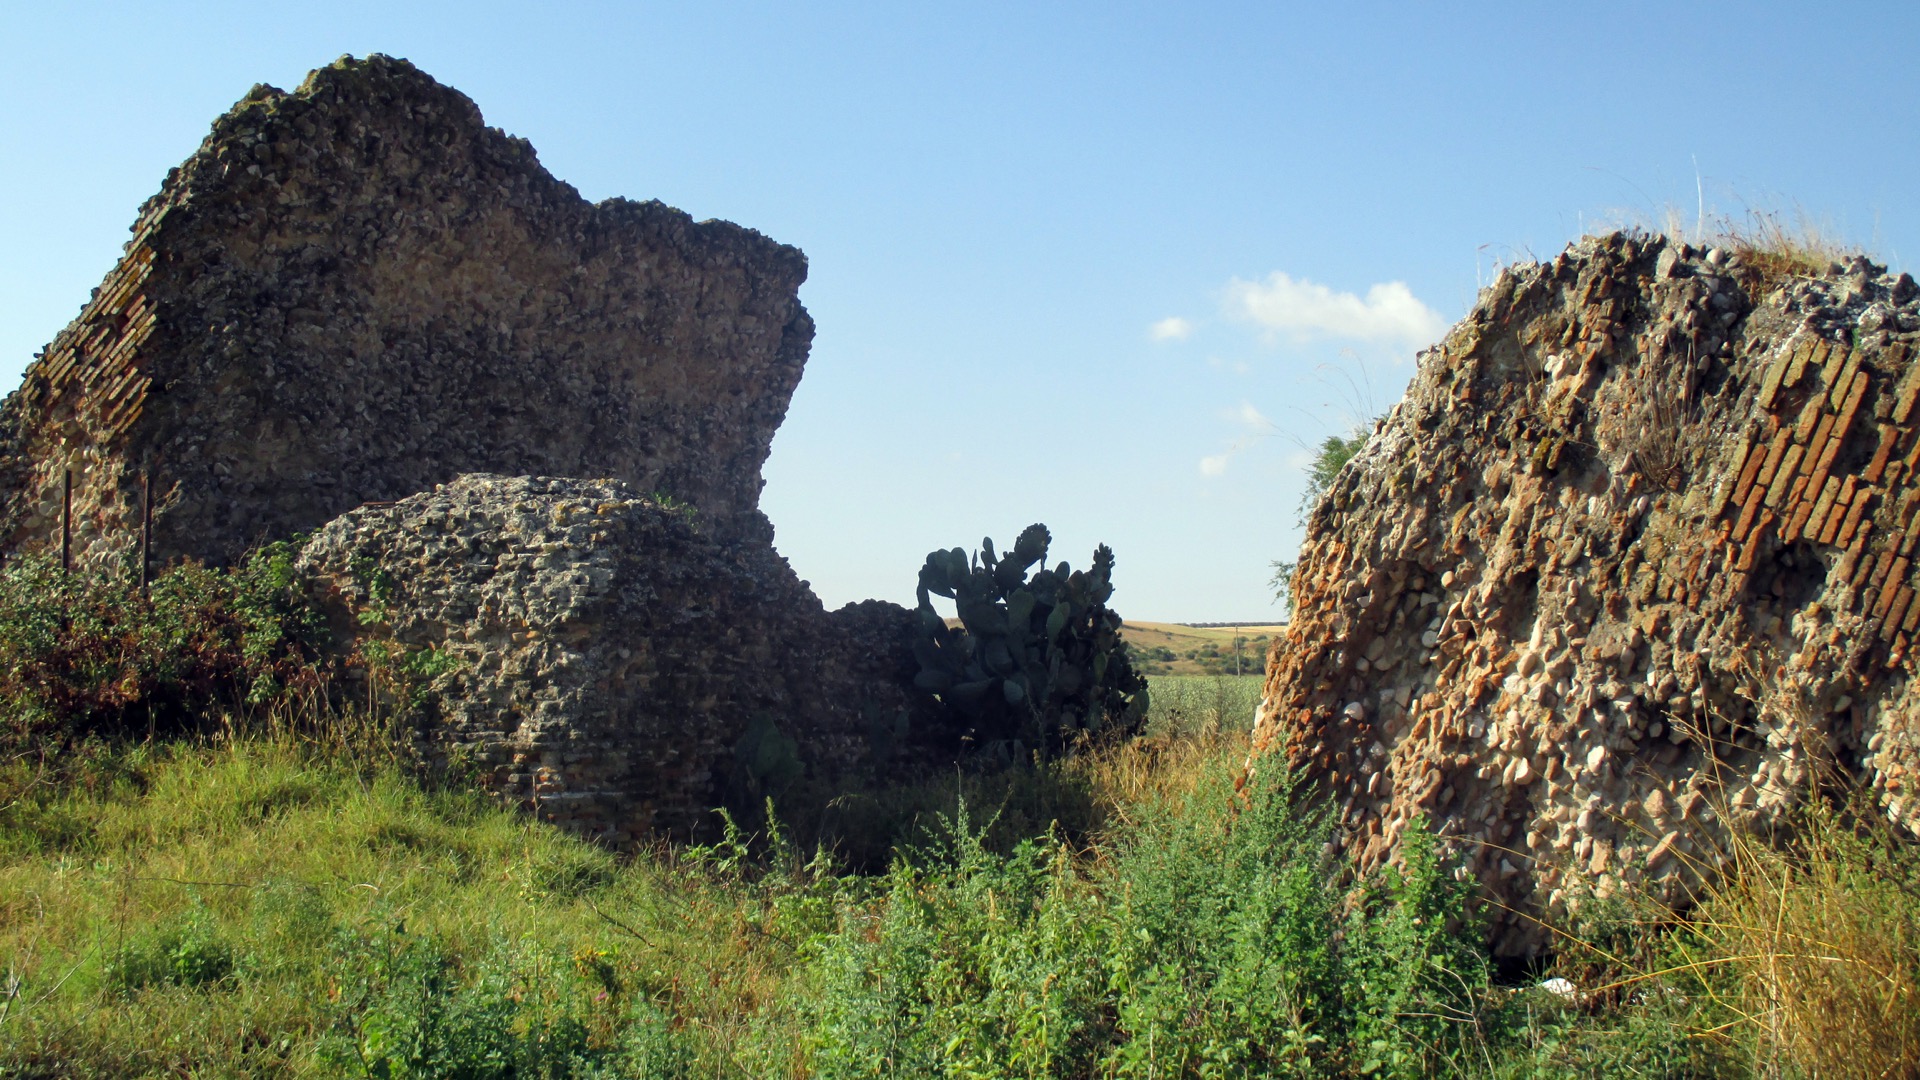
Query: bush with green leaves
x=1241 y=954
x=84 y=656
x=971 y=964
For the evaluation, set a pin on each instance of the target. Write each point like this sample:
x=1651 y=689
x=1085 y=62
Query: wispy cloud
x=1250 y=416
x=1173 y=328
x=1256 y=425
x=1282 y=303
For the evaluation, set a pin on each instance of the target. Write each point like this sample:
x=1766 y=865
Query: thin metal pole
x=146 y=527
x=66 y=522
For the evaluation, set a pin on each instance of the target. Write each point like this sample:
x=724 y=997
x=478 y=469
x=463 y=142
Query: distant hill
x=1182 y=649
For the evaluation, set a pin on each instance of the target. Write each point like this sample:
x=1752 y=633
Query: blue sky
x=1108 y=266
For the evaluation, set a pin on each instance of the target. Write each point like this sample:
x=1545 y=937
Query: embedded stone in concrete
x=1640 y=543
x=602 y=659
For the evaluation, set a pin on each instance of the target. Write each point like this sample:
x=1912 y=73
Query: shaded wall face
x=357 y=290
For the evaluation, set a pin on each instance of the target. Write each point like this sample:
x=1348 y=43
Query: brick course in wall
x=356 y=290
x=359 y=312
x=1633 y=559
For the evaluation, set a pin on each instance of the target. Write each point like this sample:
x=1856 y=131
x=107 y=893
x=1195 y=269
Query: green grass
x=256 y=910
x=1187 y=704
x=260 y=907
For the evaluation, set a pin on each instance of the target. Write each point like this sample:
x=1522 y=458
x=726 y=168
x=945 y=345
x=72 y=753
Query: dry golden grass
x=1810 y=936
x=1776 y=246
x=1156 y=769
x=1800 y=956
x=1772 y=245
x=1154 y=633
x=1143 y=636
x=1814 y=950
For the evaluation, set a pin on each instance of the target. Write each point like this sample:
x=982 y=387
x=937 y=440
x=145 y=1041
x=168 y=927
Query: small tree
x=1334 y=453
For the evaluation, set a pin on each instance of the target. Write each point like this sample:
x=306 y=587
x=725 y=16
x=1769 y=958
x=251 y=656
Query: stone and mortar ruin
x=1632 y=564
x=1633 y=558
x=359 y=312
x=607 y=663
x=357 y=290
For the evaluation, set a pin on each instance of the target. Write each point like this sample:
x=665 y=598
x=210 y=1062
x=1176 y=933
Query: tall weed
x=1202 y=942
x=971 y=963
x=1808 y=951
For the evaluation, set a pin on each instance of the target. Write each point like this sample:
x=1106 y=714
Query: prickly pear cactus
x=1036 y=663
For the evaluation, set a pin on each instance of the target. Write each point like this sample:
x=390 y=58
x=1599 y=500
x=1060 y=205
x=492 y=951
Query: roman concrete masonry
x=600 y=659
x=1632 y=565
x=357 y=290
x=525 y=433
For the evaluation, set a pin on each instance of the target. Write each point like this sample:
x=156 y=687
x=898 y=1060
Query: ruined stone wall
x=359 y=311
x=602 y=660
x=1631 y=565
x=356 y=290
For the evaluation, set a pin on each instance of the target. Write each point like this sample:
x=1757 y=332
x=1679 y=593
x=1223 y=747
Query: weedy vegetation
x=255 y=908
x=278 y=890
x=83 y=657
x=1771 y=245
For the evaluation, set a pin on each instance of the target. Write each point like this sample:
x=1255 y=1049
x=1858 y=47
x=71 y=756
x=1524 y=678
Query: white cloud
x=1173 y=328
x=1389 y=311
x=1251 y=417
x=1255 y=423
